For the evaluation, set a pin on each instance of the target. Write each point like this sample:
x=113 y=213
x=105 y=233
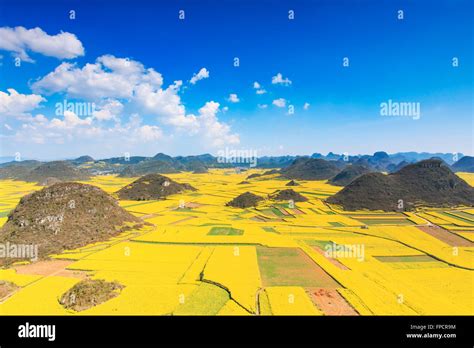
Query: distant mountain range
x=314 y=167
x=425 y=183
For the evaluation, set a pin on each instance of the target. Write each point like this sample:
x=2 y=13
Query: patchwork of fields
x=200 y=257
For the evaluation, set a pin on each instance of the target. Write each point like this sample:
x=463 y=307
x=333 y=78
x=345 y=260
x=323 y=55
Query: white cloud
x=109 y=111
x=261 y=91
x=256 y=85
x=73 y=129
x=306 y=106
x=20 y=40
x=280 y=102
x=225 y=109
x=7 y=126
x=202 y=74
x=108 y=77
x=262 y=106
x=166 y=104
x=278 y=79
x=70 y=120
x=216 y=132
x=149 y=133
x=116 y=83
x=233 y=98
x=16 y=104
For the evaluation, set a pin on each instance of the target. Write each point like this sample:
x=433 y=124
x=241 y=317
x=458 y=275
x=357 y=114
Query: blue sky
x=408 y=60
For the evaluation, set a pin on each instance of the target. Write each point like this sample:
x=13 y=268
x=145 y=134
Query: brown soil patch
x=49 y=268
x=296 y=211
x=193 y=205
x=331 y=302
x=335 y=262
x=446 y=236
x=6 y=289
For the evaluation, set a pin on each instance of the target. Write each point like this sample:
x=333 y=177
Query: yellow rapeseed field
x=202 y=259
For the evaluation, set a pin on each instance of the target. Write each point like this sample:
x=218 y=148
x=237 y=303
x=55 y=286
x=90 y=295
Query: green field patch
x=411 y=262
x=376 y=215
x=322 y=244
x=277 y=212
x=464 y=214
x=317 y=194
x=4 y=213
x=207 y=299
x=405 y=258
x=269 y=212
x=336 y=224
x=225 y=231
x=291 y=267
x=458 y=217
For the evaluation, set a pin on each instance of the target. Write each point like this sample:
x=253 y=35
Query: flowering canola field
x=275 y=259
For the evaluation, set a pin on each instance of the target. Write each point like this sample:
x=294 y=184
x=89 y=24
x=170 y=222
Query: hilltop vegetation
x=60 y=170
x=348 y=174
x=33 y=171
x=428 y=183
x=245 y=200
x=310 y=169
x=65 y=216
x=152 y=186
x=89 y=293
x=287 y=195
x=465 y=164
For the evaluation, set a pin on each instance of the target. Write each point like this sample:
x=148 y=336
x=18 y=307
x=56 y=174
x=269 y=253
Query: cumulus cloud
x=306 y=106
x=108 y=111
x=70 y=120
x=262 y=106
x=20 y=41
x=108 y=77
x=216 y=132
x=115 y=83
x=233 y=98
x=256 y=85
x=202 y=74
x=278 y=79
x=16 y=104
x=166 y=104
x=72 y=128
x=149 y=133
x=280 y=102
